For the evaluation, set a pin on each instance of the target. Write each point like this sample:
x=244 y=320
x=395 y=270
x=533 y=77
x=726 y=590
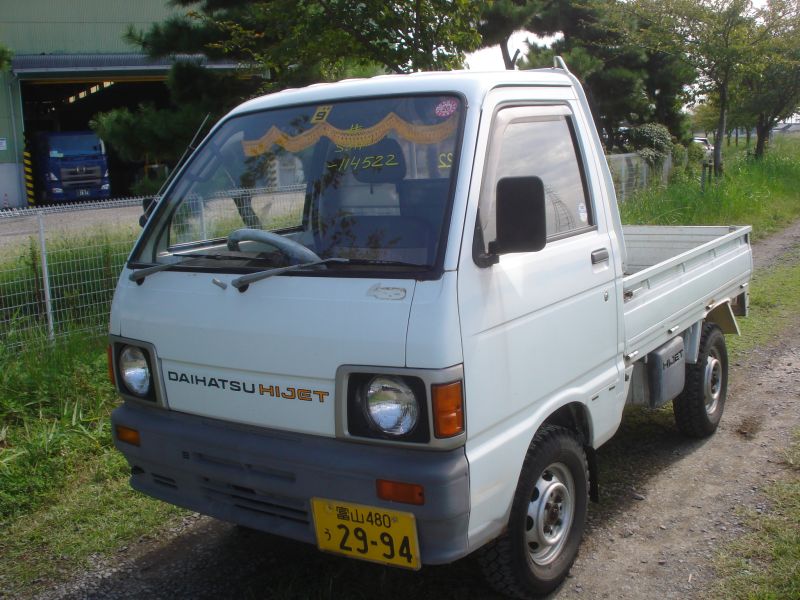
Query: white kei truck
x=396 y=317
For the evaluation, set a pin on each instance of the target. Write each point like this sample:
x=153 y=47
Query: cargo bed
x=675 y=276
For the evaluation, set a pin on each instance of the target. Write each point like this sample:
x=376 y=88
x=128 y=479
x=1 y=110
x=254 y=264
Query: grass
x=774 y=303
x=765 y=563
x=762 y=193
x=54 y=404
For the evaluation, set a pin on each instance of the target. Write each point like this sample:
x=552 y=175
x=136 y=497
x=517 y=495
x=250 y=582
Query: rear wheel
x=699 y=407
x=547 y=518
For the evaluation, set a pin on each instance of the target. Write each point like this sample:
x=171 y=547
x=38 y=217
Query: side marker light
x=395 y=491
x=127 y=435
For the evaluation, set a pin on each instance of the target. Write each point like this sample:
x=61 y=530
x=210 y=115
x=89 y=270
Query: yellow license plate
x=367 y=532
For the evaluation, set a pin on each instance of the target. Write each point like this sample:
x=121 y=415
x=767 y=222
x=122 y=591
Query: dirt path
x=667 y=505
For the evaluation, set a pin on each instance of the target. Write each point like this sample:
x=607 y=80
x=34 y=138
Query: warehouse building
x=70 y=62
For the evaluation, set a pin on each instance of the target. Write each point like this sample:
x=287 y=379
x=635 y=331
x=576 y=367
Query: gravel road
x=653 y=535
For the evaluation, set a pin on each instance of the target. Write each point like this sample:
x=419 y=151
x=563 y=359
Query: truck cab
x=70 y=166
x=389 y=317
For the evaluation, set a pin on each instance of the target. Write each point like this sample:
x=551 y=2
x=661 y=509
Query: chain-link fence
x=630 y=172
x=59 y=265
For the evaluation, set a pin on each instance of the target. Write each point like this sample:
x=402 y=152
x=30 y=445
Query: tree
x=626 y=85
x=716 y=37
x=5 y=58
x=288 y=38
x=772 y=84
x=501 y=18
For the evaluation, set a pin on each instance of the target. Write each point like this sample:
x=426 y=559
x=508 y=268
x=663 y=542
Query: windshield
x=367 y=180
x=79 y=144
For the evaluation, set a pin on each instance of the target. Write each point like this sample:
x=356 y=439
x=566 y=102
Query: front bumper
x=265 y=479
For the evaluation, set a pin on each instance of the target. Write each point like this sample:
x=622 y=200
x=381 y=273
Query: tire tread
x=496 y=557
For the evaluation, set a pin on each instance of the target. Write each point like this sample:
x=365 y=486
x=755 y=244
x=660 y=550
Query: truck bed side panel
x=680 y=272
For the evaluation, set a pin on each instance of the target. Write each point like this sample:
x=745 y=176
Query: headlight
x=134 y=370
x=391 y=405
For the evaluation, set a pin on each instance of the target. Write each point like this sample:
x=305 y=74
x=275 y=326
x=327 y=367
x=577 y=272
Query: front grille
x=80 y=177
x=250 y=499
x=164 y=480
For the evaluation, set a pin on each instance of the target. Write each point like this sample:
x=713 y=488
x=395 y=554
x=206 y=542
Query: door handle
x=599 y=256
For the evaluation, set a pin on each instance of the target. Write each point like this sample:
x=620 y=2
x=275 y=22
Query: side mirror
x=147 y=206
x=521 y=223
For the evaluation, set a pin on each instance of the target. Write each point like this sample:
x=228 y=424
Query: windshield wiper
x=140 y=274
x=242 y=283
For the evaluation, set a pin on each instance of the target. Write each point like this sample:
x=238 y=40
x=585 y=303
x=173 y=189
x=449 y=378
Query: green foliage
x=758 y=193
x=5 y=58
x=626 y=83
x=290 y=38
x=77 y=303
x=696 y=153
x=680 y=155
x=652 y=141
x=501 y=18
x=763 y=564
x=151 y=134
x=93 y=514
x=54 y=403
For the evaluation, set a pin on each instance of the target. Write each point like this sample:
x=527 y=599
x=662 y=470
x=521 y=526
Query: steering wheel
x=292 y=250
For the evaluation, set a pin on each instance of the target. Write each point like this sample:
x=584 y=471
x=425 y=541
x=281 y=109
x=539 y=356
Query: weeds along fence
x=59 y=265
x=631 y=172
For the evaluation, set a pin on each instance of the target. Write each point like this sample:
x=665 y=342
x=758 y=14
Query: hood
x=267 y=356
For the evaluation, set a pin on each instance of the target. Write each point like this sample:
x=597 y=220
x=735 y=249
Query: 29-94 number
x=361 y=543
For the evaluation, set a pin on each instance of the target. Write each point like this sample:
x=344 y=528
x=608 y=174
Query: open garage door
x=62 y=93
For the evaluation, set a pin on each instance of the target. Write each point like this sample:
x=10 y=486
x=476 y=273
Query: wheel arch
x=576 y=417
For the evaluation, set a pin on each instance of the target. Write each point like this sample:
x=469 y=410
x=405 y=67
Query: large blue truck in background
x=70 y=166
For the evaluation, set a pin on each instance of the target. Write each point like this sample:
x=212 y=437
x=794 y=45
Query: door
x=539 y=329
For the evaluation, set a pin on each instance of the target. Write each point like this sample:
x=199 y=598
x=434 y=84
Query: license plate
x=367 y=532
x=83 y=192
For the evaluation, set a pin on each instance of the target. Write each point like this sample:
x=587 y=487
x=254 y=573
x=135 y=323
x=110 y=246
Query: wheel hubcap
x=550 y=514
x=712 y=383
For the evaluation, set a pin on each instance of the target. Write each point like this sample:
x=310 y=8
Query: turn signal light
x=448 y=409
x=395 y=491
x=127 y=435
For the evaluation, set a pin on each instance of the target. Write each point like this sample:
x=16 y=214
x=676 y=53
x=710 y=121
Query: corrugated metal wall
x=75 y=26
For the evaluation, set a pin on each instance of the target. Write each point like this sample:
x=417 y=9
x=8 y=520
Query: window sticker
x=447 y=107
x=582 y=214
x=321 y=114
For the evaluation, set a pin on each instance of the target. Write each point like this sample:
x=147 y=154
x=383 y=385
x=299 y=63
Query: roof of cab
x=472 y=84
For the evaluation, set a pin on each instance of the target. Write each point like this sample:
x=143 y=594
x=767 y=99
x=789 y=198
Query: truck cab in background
x=70 y=166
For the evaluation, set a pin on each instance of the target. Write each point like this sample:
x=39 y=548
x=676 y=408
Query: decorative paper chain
x=351 y=138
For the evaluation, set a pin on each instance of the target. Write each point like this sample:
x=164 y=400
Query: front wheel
x=699 y=407
x=547 y=519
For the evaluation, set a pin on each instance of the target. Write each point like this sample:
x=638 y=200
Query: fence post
x=203 y=219
x=48 y=303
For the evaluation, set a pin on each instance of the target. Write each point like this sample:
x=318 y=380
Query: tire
x=698 y=409
x=548 y=516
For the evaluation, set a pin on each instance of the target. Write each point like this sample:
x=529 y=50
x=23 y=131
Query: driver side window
x=530 y=141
